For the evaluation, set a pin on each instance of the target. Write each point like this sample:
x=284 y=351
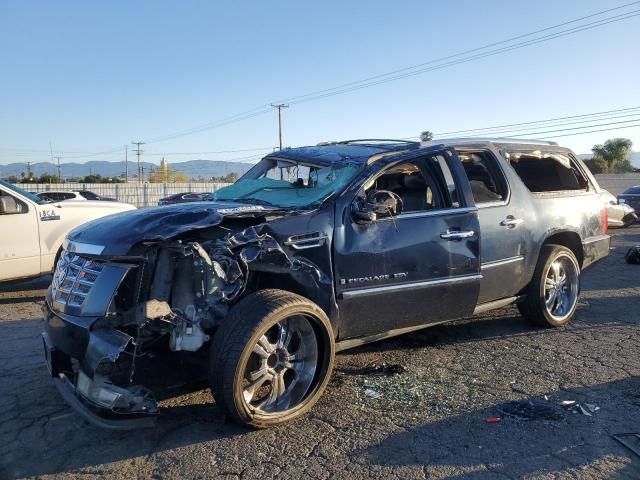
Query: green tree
x=616 y=153
x=597 y=165
x=47 y=178
x=426 y=136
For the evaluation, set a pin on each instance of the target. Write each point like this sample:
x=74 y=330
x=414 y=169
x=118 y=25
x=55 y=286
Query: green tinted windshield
x=287 y=184
x=24 y=193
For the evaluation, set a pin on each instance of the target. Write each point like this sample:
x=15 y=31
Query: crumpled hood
x=120 y=232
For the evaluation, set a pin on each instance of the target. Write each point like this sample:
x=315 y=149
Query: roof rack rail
x=372 y=140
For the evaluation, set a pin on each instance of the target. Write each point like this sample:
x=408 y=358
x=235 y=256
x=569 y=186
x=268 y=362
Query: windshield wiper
x=255 y=201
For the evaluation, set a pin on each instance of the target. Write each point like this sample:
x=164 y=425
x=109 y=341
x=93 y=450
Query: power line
x=280 y=106
x=595 y=131
x=418 y=69
x=140 y=167
x=424 y=67
x=574 y=128
x=485 y=129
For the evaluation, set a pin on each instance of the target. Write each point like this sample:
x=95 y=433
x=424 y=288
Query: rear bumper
x=595 y=249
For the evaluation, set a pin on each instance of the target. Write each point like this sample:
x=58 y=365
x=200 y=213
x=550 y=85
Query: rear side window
x=487 y=181
x=547 y=171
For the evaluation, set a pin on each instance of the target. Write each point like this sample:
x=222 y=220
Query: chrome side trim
x=356 y=342
x=431 y=213
x=86 y=248
x=301 y=242
x=362 y=292
x=499 y=263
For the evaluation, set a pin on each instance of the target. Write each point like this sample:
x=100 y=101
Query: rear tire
x=552 y=295
x=271 y=360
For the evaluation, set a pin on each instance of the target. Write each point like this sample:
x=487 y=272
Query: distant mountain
x=191 y=168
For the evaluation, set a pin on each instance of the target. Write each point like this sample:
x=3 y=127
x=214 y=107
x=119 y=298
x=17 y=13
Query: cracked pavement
x=429 y=423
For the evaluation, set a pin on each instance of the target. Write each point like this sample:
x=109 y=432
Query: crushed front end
x=107 y=317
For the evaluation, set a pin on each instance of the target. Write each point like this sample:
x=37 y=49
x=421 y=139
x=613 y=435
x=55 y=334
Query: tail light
x=605 y=220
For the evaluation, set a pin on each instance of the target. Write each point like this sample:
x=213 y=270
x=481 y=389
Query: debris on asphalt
x=377 y=370
x=629 y=440
x=633 y=255
x=529 y=410
x=591 y=407
x=572 y=406
x=372 y=394
x=493 y=420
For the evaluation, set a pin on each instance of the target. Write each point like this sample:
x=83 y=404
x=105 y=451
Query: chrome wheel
x=561 y=287
x=281 y=368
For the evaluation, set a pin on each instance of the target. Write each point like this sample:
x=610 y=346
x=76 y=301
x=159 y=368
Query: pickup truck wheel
x=272 y=358
x=552 y=295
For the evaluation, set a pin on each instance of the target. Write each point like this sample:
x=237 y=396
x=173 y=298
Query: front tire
x=272 y=358
x=552 y=295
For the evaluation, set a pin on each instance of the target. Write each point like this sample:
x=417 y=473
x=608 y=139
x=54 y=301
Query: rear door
x=417 y=268
x=503 y=220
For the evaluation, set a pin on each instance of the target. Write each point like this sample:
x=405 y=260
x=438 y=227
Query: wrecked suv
x=312 y=251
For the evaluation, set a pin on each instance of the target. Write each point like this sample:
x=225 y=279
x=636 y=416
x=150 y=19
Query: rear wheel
x=552 y=295
x=271 y=360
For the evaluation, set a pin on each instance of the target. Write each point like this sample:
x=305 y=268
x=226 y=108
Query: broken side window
x=547 y=171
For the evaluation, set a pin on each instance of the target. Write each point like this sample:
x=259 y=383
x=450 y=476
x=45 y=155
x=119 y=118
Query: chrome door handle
x=457 y=235
x=511 y=222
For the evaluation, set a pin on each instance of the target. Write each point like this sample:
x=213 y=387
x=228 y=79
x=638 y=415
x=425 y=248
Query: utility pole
x=280 y=106
x=138 y=153
x=126 y=164
x=59 y=170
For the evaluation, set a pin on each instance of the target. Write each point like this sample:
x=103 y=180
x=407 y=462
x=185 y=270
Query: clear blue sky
x=90 y=76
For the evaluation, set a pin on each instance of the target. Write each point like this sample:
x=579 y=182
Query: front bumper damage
x=110 y=320
x=94 y=386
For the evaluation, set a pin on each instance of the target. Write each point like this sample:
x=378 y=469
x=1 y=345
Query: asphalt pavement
x=430 y=421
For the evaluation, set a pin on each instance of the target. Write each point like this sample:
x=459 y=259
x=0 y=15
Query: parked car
x=631 y=197
x=60 y=196
x=186 y=197
x=618 y=214
x=32 y=229
x=315 y=250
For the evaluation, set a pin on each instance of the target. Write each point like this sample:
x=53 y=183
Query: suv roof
x=361 y=151
x=498 y=140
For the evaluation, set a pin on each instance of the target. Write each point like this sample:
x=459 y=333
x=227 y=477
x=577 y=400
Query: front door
x=19 y=240
x=415 y=268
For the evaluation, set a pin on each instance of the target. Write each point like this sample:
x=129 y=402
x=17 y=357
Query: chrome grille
x=73 y=278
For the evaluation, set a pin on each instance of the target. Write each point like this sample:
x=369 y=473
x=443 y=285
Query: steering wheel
x=385 y=202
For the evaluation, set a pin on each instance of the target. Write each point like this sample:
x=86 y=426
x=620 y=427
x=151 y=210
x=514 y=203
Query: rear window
x=547 y=171
x=632 y=191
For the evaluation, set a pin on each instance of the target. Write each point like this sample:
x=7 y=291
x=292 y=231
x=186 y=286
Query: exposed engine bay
x=173 y=300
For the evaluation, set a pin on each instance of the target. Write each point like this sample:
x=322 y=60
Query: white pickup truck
x=32 y=229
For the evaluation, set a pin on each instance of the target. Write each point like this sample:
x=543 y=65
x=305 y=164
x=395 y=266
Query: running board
x=357 y=342
x=503 y=302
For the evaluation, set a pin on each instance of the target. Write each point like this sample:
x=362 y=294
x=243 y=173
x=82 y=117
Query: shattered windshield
x=288 y=184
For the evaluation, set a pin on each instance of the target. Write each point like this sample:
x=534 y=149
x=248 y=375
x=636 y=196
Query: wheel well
x=571 y=240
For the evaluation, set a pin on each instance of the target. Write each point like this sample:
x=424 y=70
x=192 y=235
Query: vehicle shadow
x=466 y=446
x=40 y=283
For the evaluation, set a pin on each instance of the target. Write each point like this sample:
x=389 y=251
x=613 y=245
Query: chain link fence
x=138 y=194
